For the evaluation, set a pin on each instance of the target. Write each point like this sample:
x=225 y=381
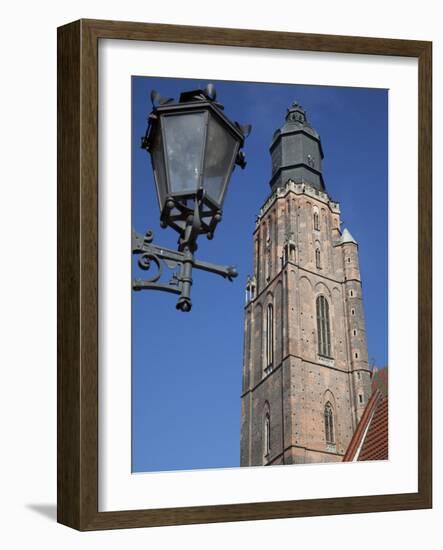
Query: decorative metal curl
x=145 y=262
x=148 y=237
x=182 y=259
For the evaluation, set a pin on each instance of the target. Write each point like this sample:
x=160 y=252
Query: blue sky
x=186 y=367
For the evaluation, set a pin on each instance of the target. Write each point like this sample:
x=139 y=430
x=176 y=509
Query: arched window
x=268 y=265
x=323 y=329
x=267 y=435
x=329 y=424
x=317 y=258
x=269 y=336
x=316 y=221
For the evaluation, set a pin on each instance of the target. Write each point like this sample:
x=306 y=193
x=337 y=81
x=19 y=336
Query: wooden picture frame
x=77 y=456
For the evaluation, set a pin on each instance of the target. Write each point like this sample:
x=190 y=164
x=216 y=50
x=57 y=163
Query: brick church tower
x=306 y=380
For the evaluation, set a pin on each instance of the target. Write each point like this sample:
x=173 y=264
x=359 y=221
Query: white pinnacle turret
x=347 y=237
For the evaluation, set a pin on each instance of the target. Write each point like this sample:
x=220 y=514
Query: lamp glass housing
x=184 y=141
x=220 y=153
x=194 y=147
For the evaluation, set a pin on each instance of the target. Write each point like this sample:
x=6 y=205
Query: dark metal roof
x=296 y=151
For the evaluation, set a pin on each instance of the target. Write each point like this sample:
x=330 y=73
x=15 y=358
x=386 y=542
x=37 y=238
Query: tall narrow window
x=268 y=261
x=258 y=266
x=316 y=222
x=329 y=424
x=317 y=258
x=269 y=336
x=284 y=257
x=323 y=328
x=268 y=251
x=267 y=435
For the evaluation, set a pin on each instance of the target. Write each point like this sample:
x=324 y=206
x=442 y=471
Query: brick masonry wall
x=296 y=387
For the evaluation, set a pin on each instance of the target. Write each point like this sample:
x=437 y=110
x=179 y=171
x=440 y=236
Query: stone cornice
x=289 y=447
x=298 y=189
x=289 y=262
x=288 y=356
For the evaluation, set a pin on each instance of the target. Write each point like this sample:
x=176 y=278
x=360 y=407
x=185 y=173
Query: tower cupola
x=296 y=151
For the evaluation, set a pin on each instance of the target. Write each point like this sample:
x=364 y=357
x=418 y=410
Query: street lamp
x=194 y=148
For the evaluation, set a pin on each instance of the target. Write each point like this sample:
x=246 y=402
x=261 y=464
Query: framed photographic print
x=244 y=275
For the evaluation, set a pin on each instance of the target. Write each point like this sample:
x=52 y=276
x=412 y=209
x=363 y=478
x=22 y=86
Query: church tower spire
x=296 y=151
x=306 y=379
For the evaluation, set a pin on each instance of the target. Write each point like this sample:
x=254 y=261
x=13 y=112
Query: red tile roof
x=370 y=440
x=375 y=444
x=380 y=379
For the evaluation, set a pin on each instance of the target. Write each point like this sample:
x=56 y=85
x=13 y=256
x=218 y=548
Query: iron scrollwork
x=183 y=261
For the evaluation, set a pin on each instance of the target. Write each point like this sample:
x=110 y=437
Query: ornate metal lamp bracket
x=180 y=283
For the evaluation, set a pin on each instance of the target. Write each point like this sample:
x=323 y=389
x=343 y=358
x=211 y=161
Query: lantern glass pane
x=158 y=165
x=184 y=135
x=219 y=156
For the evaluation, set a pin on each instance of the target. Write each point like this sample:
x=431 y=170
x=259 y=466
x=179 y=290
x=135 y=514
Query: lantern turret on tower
x=296 y=151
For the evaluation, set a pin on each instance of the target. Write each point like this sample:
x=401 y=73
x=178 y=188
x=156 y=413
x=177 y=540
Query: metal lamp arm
x=227 y=272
